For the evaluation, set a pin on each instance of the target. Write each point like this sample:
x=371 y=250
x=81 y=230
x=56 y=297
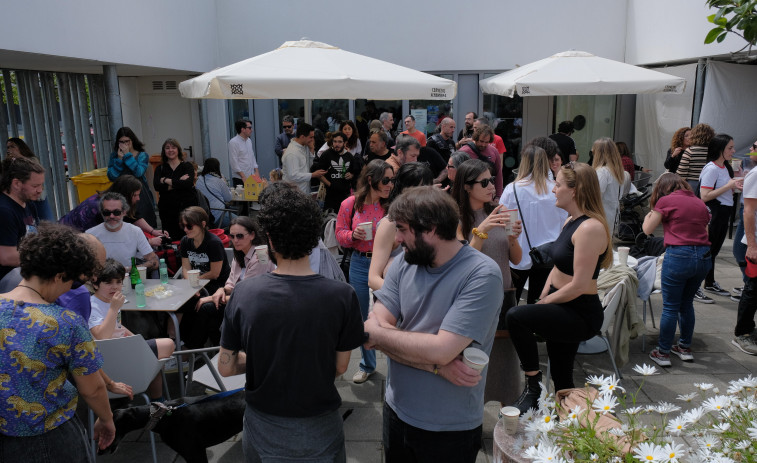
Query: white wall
x=172 y=34
x=660 y=31
x=429 y=36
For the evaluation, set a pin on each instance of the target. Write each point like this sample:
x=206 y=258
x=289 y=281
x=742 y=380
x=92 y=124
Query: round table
x=509 y=448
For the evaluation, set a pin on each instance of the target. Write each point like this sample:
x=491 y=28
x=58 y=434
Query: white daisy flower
x=596 y=380
x=735 y=388
x=530 y=452
x=663 y=408
x=594 y=457
x=617 y=432
x=528 y=416
x=749 y=381
x=634 y=410
x=645 y=370
x=716 y=403
x=704 y=386
x=721 y=459
x=694 y=415
x=547 y=454
x=720 y=428
x=673 y=452
x=605 y=404
x=752 y=432
x=709 y=442
x=649 y=452
x=676 y=425
x=687 y=397
x=574 y=413
x=742 y=444
x=610 y=386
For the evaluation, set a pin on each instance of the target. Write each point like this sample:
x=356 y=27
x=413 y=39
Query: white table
x=182 y=292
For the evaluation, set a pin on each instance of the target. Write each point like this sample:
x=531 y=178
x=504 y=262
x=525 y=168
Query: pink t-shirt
x=348 y=219
x=684 y=219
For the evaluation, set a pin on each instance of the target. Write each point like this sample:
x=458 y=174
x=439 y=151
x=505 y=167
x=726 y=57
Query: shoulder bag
x=540 y=255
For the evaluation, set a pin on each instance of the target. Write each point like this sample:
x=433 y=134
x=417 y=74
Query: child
x=105 y=318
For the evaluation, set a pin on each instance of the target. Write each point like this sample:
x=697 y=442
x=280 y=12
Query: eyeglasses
x=450 y=166
x=287 y=126
x=484 y=183
x=249 y=127
x=186 y=226
x=387 y=180
x=238 y=236
x=108 y=213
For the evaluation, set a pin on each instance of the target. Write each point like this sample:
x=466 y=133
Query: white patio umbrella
x=313 y=70
x=580 y=73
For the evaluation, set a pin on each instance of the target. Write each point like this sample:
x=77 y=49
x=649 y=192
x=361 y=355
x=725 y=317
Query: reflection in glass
x=327 y=114
x=598 y=112
x=368 y=110
x=238 y=109
x=294 y=108
x=435 y=111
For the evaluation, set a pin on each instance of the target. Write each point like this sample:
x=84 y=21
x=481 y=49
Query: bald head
x=96 y=246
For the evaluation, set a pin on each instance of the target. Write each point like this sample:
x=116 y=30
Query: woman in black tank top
x=569 y=310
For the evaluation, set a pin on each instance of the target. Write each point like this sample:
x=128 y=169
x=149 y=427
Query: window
x=368 y=110
x=506 y=118
x=593 y=117
x=434 y=110
x=327 y=114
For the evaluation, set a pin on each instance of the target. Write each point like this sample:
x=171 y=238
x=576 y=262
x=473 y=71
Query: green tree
x=736 y=17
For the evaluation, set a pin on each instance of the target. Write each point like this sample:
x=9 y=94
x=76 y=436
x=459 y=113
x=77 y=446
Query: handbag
x=541 y=257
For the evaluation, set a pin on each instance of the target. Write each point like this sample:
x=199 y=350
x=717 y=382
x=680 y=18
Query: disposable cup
x=142 y=273
x=623 y=255
x=736 y=164
x=368 y=227
x=194 y=278
x=262 y=253
x=475 y=358
x=509 y=417
x=511 y=221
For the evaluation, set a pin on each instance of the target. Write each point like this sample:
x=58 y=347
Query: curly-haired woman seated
x=43 y=344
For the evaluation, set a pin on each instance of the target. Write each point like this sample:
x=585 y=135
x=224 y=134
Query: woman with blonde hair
x=531 y=194
x=611 y=176
x=569 y=310
x=694 y=158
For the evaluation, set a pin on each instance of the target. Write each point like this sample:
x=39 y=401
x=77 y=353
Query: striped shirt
x=692 y=162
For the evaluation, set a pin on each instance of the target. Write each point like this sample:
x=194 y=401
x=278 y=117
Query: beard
x=112 y=225
x=423 y=254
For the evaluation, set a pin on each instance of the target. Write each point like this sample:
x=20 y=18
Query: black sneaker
x=736 y=298
x=737 y=291
x=700 y=297
x=715 y=288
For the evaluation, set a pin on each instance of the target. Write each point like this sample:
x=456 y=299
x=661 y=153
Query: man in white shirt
x=744 y=331
x=122 y=241
x=297 y=159
x=241 y=155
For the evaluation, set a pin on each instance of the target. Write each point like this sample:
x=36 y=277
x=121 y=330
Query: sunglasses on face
x=484 y=183
x=115 y=212
x=387 y=180
x=186 y=226
x=287 y=126
x=238 y=236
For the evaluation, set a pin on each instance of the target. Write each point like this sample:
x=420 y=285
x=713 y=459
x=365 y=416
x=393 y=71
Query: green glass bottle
x=134 y=274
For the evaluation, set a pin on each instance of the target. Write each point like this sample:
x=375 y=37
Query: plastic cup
x=736 y=164
x=262 y=253
x=368 y=227
x=475 y=358
x=194 y=278
x=623 y=255
x=509 y=417
x=511 y=221
x=142 y=272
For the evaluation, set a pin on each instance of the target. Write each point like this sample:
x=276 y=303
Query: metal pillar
x=204 y=129
x=113 y=98
x=699 y=91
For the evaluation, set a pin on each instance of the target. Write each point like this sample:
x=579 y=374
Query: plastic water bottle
x=139 y=291
x=163 y=272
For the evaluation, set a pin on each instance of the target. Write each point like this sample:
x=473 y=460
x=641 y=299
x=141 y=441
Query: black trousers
x=747 y=308
x=537 y=279
x=717 y=230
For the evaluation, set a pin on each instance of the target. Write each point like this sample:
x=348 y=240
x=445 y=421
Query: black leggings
x=563 y=326
x=717 y=231
x=536 y=277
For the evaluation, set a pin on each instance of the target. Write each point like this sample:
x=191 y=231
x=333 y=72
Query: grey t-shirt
x=463 y=296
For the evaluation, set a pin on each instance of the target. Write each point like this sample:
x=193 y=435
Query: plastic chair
x=129 y=360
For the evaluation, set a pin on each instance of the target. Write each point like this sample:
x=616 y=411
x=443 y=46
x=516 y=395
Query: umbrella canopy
x=314 y=70
x=580 y=73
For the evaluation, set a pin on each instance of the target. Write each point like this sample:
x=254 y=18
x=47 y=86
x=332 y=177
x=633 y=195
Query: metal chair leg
x=605 y=337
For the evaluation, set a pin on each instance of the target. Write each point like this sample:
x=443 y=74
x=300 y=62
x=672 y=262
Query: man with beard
x=122 y=240
x=341 y=172
x=22 y=183
x=283 y=139
x=443 y=297
x=406 y=150
x=443 y=142
x=466 y=133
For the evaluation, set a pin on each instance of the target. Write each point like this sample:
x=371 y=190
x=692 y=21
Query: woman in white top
x=542 y=219
x=352 y=141
x=212 y=184
x=609 y=169
x=716 y=183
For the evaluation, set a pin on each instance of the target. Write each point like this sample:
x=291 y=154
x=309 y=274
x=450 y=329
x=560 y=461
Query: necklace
x=38 y=293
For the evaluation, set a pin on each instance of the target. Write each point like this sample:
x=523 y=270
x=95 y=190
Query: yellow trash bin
x=89 y=183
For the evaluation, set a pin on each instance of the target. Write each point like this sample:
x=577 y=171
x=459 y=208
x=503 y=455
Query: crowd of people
x=440 y=233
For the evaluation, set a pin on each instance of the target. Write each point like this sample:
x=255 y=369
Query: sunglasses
x=287 y=126
x=387 y=180
x=186 y=226
x=449 y=166
x=238 y=236
x=484 y=183
x=108 y=213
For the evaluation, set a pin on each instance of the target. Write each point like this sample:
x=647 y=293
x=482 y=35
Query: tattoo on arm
x=225 y=359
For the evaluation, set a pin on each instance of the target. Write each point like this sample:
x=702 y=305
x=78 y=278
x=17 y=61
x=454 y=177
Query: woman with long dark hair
x=352 y=144
x=129 y=157
x=716 y=185
x=541 y=219
x=213 y=185
x=385 y=249
x=569 y=310
x=367 y=205
x=678 y=143
x=684 y=219
x=174 y=181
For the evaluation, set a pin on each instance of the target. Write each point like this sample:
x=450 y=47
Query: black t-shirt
x=291 y=328
x=566 y=144
x=384 y=158
x=465 y=133
x=337 y=166
x=16 y=222
x=210 y=250
x=433 y=159
x=444 y=147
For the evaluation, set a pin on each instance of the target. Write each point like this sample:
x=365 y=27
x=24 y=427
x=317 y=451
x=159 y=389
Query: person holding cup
x=203 y=251
x=684 y=219
x=368 y=204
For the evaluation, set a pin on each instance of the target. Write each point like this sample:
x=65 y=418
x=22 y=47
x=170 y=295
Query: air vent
x=171 y=85
x=157 y=85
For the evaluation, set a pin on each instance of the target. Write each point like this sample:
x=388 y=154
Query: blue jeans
x=67 y=443
x=406 y=444
x=739 y=248
x=683 y=270
x=359 y=266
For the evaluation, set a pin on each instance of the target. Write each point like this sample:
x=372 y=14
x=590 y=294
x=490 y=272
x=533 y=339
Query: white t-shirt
x=750 y=191
x=714 y=177
x=97 y=316
x=124 y=244
x=610 y=189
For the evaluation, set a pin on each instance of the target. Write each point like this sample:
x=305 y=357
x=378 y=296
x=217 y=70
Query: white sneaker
x=172 y=365
x=360 y=377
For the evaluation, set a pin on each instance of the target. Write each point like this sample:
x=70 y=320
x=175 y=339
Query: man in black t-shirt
x=291 y=332
x=566 y=144
x=443 y=142
x=466 y=133
x=341 y=172
x=378 y=148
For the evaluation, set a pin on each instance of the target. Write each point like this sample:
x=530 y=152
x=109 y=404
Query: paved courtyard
x=716 y=361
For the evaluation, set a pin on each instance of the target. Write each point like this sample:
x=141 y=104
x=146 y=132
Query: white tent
x=580 y=73
x=314 y=70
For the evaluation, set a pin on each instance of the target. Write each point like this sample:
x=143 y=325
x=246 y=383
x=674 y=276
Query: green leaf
x=713 y=34
x=721 y=37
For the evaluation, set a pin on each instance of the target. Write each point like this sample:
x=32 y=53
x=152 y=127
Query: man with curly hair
x=291 y=332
